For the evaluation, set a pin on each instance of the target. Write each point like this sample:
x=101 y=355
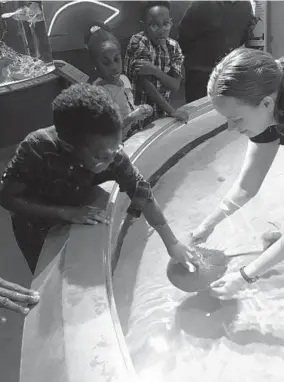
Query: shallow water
x=177 y=336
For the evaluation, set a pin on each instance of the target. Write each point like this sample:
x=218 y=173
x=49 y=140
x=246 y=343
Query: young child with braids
x=105 y=55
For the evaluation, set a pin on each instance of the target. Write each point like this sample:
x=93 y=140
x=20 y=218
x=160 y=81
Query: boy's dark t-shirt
x=54 y=176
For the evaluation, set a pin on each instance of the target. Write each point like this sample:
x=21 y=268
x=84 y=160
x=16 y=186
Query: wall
x=276 y=28
x=124 y=26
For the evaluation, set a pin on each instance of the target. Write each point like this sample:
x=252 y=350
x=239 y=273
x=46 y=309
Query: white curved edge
x=60 y=10
x=74 y=333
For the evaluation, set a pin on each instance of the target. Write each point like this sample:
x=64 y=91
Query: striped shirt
x=167 y=58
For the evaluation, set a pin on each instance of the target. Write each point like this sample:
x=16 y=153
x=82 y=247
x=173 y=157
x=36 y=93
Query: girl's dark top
x=52 y=175
x=271 y=134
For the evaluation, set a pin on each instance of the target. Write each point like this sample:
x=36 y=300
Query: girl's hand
x=142 y=112
x=200 y=234
x=227 y=286
x=180 y=115
x=84 y=215
x=16 y=298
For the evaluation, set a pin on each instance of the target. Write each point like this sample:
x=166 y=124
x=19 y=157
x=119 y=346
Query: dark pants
x=195 y=84
x=30 y=238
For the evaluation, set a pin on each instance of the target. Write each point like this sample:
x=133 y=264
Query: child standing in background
x=105 y=54
x=153 y=62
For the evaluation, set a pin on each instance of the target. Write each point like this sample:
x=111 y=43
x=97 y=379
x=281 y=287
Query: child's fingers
x=102 y=218
x=194 y=240
x=217 y=284
x=98 y=215
x=94 y=219
x=218 y=293
x=182 y=118
x=191 y=268
x=10 y=305
x=89 y=221
x=18 y=297
x=17 y=288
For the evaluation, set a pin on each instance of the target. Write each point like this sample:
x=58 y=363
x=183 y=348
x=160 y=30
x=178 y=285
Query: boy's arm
x=26 y=163
x=170 y=80
x=143 y=201
x=155 y=96
x=12 y=200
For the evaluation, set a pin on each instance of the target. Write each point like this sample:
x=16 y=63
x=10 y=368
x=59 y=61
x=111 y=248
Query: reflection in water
x=202 y=339
x=203 y=316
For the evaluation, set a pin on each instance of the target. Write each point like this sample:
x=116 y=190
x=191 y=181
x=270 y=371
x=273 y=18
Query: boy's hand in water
x=200 y=235
x=84 y=215
x=182 y=254
x=180 y=115
x=16 y=298
x=227 y=286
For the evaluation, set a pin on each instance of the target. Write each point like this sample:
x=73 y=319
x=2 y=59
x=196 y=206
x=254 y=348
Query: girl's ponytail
x=96 y=28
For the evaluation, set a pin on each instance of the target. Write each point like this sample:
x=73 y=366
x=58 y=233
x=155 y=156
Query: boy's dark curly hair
x=83 y=110
x=152 y=4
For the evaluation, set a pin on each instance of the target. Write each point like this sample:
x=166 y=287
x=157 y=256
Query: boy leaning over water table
x=56 y=172
x=153 y=62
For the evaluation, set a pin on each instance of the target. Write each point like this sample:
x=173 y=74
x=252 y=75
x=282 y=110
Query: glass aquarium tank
x=24 y=47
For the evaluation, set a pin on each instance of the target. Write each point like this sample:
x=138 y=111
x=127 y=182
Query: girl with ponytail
x=105 y=54
x=247 y=88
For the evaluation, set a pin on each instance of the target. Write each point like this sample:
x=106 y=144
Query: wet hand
x=145 y=68
x=88 y=215
x=16 y=298
x=182 y=254
x=226 y=287
x=180 y=115
x=200 y=235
